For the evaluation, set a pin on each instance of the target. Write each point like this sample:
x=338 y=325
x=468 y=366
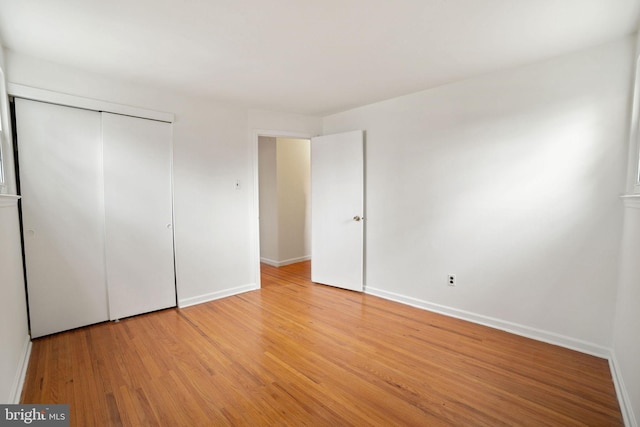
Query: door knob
x=357 y=218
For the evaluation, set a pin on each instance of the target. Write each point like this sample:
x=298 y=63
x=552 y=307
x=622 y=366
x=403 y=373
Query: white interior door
x=337 y=210
x=60 y=155
x=138 y=215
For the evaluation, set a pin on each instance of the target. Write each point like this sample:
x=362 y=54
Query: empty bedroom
x=319 y=213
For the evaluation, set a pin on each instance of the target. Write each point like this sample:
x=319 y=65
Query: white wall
x=283 y=124
x=14 y=333
x=511 y=182
x=294 y=198
x=268 y=170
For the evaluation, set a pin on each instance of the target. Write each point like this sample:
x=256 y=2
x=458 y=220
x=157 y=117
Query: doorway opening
x=284 y=200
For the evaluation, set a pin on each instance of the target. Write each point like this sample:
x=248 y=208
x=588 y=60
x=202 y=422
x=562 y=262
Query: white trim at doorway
x=255 y=135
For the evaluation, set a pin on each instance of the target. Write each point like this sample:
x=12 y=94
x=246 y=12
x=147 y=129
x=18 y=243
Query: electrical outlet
x=451 y=279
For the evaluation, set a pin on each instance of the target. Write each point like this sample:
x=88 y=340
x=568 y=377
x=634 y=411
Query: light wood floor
x=297 y=354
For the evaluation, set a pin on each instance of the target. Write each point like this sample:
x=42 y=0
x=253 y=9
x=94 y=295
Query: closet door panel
x=138 y=215
x=60 y=157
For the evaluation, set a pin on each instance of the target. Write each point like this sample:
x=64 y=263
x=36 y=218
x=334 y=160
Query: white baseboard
x=21 y=372
x=549 y=337
x=270 y=262
x=186 y=302
x=623 y=397
x=285 y=262
x=514 y=328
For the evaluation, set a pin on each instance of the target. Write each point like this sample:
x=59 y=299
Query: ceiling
x=306 y=56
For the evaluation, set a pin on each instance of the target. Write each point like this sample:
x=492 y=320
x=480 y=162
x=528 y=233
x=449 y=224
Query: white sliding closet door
x=60 y=156
x=138 y=212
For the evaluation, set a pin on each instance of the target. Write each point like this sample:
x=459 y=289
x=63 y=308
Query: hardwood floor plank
x=295 y=353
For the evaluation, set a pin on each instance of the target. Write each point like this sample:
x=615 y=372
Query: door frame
x=255 y=231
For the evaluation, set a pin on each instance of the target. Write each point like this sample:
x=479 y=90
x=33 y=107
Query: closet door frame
x=43 y=95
